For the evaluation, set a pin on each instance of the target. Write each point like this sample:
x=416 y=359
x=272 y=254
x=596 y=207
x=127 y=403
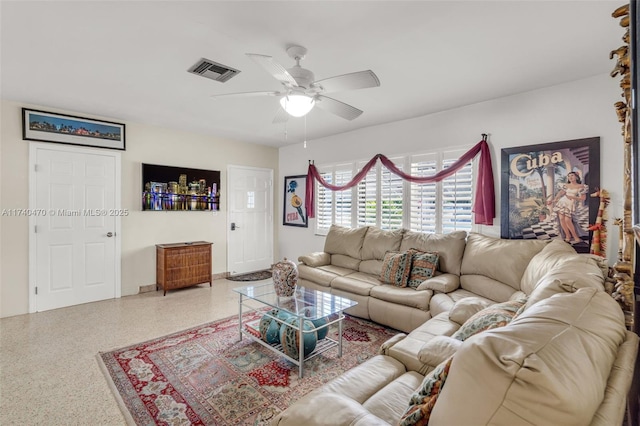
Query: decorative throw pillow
x=423 y=266
x=494 y=316
x=423 y=401
x=396 y=268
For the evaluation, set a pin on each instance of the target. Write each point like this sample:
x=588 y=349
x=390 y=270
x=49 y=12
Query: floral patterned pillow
x=423 y=401
x=423 y=266
x=396 y=268
x=494 y=316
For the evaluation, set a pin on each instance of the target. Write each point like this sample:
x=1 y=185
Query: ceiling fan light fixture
x=297 y=105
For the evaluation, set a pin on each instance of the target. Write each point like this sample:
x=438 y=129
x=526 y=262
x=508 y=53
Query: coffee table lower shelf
x=322 y=345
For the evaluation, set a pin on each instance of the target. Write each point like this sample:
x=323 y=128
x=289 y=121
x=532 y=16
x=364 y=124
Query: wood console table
x=183 y=265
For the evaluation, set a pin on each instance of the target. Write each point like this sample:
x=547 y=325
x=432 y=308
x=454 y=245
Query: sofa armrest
x=327 y=409
x=438 y=349
x=465 y=308
x=384 y=348
x=316 y=259
x=444 y=283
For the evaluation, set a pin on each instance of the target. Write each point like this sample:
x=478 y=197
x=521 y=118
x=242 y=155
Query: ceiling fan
x=302 y=92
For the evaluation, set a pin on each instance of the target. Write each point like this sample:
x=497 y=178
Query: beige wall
x=574 y=110
x=140 y=230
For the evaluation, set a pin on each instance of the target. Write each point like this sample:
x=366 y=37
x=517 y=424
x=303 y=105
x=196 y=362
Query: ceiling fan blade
x=281 y=116
x=279 y=72
x=338 y=108
x=246 y=94
x=355 y=80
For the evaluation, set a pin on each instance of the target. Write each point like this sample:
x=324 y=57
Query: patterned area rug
x=205 y=376
x=252 y=276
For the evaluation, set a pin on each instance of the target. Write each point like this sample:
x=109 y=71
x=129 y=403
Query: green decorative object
x=322 y=332
x=270 y=328
x=290 y=337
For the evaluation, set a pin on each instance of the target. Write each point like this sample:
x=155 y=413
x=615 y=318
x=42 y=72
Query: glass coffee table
x=309 y=311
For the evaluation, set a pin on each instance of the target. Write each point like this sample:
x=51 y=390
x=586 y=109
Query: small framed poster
x=294 y=212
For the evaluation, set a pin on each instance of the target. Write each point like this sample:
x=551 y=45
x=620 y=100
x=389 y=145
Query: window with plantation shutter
x=423 y=209
x=391 y=203
x=457 y=196
x=367 y=199
x=334 y=207
x=342 y=199
x=385 y=200
x=324 y=205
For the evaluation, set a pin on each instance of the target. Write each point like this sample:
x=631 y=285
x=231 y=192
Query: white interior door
x=74 y=256
x=250 y=219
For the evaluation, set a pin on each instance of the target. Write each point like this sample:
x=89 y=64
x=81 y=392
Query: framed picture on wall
x=168 y=188
x=294 y=212
x=69 y=129
x=547 y=191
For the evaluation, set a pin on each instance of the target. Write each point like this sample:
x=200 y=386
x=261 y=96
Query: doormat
x=206 y=376
x=252 y=276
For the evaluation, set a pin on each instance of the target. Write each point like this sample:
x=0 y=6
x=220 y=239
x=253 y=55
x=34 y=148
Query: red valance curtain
x=483 y=207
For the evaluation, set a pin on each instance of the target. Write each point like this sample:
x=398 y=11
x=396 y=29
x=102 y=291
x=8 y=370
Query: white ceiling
x=128 y=60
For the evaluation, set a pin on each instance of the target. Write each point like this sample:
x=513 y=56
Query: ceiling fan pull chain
x=305 y=131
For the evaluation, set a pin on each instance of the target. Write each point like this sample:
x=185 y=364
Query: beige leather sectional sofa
x=566 y=358
x=468 y=266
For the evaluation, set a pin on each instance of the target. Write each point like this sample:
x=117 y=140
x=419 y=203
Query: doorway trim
x=33 y=147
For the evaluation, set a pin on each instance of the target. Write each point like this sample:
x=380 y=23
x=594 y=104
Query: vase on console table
x=285 y=277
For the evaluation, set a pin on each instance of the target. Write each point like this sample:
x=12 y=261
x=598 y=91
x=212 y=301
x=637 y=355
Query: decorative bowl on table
x=285 y=277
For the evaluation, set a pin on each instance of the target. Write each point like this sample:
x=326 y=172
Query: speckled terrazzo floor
x=49 y=374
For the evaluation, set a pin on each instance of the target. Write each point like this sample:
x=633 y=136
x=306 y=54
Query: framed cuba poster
x=549 y=191
x=294 y=212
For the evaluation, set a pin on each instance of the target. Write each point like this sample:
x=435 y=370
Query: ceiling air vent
x=213 y=70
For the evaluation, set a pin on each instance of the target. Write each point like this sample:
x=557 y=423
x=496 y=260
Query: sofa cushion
x=356 y=283
x=339 y=402
x=347 y=241
x=396 y=268
x=344 y=261
x=494 y=316
x=327 y=409
x=438 y=349
x=362 y=383
x=498 y=260
x=373 y=267
x=390 y=402
x=551 y=256
x=557 y=354
x=322 y=275
x=423 y=401
x=574 y=272
x=408 y=349
x=450 y=246
x=377 y=242
x=423 y=266
x=487 y=287
x=403 y=296
x=465 y=308
x=443 y=302
x=547 y=288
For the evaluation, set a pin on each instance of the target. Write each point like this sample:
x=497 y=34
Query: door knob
x=109 y=234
